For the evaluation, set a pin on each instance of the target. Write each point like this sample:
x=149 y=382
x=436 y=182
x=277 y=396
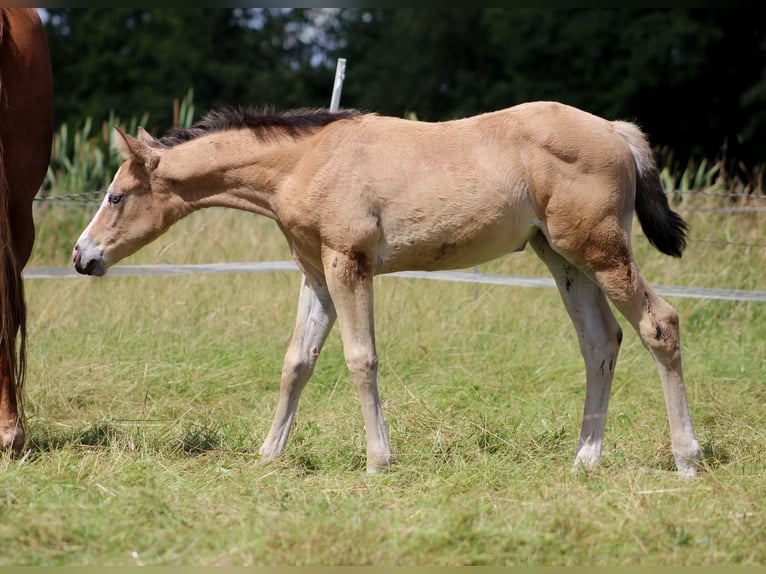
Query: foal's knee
x=362 y=364
x=298 y=366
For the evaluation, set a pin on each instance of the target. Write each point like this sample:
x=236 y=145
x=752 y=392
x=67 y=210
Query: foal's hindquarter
x=454 y=195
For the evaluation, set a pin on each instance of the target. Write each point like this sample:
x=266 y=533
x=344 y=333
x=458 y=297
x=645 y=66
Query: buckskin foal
x=360 y=194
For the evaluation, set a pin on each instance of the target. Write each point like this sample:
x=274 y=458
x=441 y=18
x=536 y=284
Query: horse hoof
x=12 y=439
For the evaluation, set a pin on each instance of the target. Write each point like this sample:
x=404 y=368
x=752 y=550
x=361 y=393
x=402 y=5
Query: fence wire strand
x=83 y=198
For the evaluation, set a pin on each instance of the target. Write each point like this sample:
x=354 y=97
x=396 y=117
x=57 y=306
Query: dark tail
x=663 y=227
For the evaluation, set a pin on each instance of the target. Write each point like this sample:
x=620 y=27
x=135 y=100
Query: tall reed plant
x=83 y=159
x=722 y=176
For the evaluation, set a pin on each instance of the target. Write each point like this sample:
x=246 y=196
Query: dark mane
x=266 y=124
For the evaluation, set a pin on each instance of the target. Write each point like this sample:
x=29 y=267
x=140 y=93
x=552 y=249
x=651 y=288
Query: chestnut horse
x=26 y=131
x=358 y=195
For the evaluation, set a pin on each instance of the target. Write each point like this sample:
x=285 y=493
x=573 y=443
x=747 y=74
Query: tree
x=132 y=60
x=694 y=79
x=414 y=60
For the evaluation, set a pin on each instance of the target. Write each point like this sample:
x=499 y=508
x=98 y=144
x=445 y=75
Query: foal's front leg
x=349 y=279
x=316 y=316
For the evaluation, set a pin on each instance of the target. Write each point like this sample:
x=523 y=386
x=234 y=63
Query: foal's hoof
x=378 y=463
x=689 y=469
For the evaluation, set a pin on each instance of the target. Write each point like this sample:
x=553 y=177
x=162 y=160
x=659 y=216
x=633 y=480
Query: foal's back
x=453 y=194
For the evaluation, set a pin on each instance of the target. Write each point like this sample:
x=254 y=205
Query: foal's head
x=138 y=207
x=143 y=200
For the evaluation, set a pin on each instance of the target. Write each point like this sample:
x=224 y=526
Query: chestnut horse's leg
x=349 y=279
x=23 y=237
x=26 y=132
x=315 y=318
x=12 y=339
x=11 y=430
x=599 y=335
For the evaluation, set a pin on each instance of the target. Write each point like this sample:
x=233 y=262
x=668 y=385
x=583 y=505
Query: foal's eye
x=114 y=199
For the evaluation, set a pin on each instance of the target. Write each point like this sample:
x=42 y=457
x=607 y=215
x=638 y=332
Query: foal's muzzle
x=88 y=258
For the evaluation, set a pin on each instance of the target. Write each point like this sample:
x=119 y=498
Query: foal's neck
x=232 y=169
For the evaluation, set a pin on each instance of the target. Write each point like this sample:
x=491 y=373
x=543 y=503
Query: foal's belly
x=451 y=249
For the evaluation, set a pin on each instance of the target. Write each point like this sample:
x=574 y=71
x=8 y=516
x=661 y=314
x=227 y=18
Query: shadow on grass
x=94 y=435
x=199 y=439
x=193 y=440
x=714 y=455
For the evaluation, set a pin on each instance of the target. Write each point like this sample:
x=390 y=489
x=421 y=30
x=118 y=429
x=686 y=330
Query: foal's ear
x=146 y=137
x=131 y=148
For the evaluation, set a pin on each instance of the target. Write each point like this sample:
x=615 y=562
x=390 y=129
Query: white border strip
x=454 y=276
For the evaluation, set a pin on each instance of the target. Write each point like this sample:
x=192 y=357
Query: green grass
x=148 y=397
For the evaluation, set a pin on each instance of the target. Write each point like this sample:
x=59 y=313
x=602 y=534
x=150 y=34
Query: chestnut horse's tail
x=663 y=227
x=12 y=306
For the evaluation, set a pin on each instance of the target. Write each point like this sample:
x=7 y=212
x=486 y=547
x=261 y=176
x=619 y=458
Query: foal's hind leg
x=657 y=325
x=316 y=316
x=606 y=257
x=599 y=335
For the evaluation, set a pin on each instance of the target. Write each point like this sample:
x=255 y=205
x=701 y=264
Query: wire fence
x=738 y=203
x=473 y=277
x=736 y=207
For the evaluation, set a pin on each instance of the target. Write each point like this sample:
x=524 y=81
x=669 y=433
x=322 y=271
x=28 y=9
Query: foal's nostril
x=94 y=267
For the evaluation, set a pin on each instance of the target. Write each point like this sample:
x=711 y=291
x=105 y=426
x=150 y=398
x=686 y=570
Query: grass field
x=148 y=397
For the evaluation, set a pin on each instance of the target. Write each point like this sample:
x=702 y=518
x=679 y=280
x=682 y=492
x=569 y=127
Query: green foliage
x=693 y=78
x=679 y=73
x=119 y=60
x=702 y=176
x=710 y=176
x=84 y=162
